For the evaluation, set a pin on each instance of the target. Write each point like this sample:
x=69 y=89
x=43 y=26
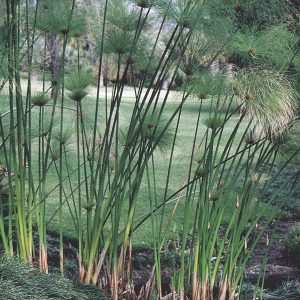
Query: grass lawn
x=142 y=238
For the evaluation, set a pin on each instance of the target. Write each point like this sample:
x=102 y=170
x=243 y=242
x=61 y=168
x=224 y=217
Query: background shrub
x=292 y=246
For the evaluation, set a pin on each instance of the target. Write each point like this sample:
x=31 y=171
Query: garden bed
x=277 y=271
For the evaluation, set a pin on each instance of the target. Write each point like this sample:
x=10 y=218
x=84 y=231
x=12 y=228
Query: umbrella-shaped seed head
x=202 y=95
x=77 y=95
x=188 y=70
x=119 y=41
x=57 y=17
x=55 y=150
x=89 y=206
x=44 y=133
x=156 y=130
x=64 y=137
x=64 y=30
x=77 y=84
x=143 y=3
x=40 y=100
x=247 y=97
x=272 y=98
x=55 y=156
x=213 y=122
x=238 y=8
x=123 y=17
x=130 y=60
x=250 y=139
x=186 y=23
x=213 y=196
x=200 y=172
x=184 y=12
x=205 y=85
x=150 y=125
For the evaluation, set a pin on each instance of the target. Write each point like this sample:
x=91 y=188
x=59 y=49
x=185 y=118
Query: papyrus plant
x=148 y=44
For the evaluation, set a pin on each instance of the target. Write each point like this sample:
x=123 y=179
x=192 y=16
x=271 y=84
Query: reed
x=149 y=45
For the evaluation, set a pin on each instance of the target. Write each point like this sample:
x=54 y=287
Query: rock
x=275 y=275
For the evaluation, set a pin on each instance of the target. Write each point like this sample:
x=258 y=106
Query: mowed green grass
x=143 y=236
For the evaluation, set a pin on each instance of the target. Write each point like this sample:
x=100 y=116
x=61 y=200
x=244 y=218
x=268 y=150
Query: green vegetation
x=138 y=131
x=288 y=290
x=20 y=281
x=292 y=246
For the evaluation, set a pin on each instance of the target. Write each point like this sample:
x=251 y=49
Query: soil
x=278 y=229
x=277 y=268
